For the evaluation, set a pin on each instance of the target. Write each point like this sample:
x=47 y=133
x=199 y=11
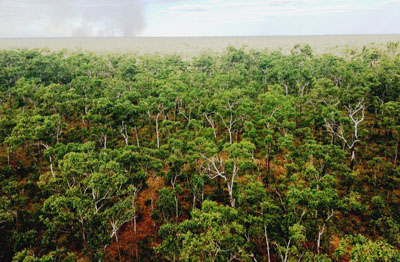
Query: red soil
x=145 y=226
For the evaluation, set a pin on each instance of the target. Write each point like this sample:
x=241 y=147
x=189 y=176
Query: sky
x=128 y=18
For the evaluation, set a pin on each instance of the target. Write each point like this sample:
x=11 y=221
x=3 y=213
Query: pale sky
x=65 y=18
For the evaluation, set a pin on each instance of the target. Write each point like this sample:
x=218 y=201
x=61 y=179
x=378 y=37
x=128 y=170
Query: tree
x=392 y=121
x=356 y=115
x=39 y=131
x=231 y=109
x=158 y=107
x=216 y=165
x=101 y=116
x=126 y=116
x=212 y=234
x=362 y=249
x=276 y=111
x=92 y=189
x=260 y=215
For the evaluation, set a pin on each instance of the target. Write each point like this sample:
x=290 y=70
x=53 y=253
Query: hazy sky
x=57 y=18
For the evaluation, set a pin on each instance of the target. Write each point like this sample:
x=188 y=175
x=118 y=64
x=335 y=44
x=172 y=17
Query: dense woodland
x=242 y=156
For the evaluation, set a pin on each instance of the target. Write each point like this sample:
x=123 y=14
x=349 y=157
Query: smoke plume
x=83 y=18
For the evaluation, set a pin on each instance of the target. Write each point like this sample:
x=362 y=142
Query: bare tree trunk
x=320 y=233
x=229 y=184
x=9 y=152
x=267 y=242
x=212 y=123
x=51 y=167
x=176 y=207
x=352 y=159
x=265 y=82
x=268 y=156
x=286 y=89
x=230 y=136
x=287 y=251
x=136 y=242
x=194 y=202
x=158 y=136
x=124 y=134
x=105 y=141
x=137 y=137
x=396 y=151
x=232 y=200
x=119 y=247
x=160 y=112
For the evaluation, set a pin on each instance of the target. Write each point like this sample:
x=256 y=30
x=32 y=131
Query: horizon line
x=208 y=36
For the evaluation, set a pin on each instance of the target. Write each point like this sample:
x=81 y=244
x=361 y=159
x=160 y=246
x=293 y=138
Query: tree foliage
x=238 y=156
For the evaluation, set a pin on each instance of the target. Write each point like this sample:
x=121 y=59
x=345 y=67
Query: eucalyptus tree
x=281 y=72
x=93 y=197
x=227 y=164
x=100 y=116
x=126 y=116
x=391 y=120
x=41 y=131
x=353 y=101
x=158 y=108
x=235 y=63
x=361 y=249
x=259 y=214
x=231 y=108
x=205 y=63
x=211 y=234
x=274 y=119
x=24 y=93
x=83 y=89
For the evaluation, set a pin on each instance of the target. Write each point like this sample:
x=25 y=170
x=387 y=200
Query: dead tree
x=356 y=120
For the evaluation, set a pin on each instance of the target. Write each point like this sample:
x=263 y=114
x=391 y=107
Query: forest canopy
x=243 y=156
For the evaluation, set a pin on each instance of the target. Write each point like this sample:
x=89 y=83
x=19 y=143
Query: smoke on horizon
x=77 y=18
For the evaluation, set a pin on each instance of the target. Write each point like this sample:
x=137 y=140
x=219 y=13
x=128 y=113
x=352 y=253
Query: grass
x=188 y=47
